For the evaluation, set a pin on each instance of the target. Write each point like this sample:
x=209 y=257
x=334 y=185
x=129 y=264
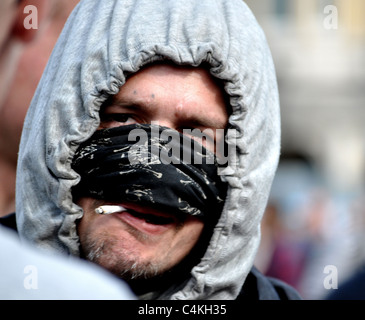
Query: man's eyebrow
x=112 y=101
x=129 y=102
x=140 y=104
x=126 y=105
x=208 y=123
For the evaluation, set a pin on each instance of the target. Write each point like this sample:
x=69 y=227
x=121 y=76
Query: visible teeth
x=109 y=209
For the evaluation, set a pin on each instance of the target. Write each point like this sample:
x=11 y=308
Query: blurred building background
x=316 y=212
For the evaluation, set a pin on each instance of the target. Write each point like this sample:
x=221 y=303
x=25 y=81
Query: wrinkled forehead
x=185 y=80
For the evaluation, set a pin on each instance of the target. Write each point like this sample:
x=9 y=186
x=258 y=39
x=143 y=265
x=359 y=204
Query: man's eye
x=117 y=119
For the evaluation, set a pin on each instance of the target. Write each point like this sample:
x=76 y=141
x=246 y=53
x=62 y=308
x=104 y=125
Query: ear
x=31 y=15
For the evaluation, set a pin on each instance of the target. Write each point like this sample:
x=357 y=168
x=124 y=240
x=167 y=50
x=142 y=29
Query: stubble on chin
x=124 y=262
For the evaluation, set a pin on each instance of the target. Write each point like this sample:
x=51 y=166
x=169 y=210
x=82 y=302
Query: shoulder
x=9 y=221
x=260 y=287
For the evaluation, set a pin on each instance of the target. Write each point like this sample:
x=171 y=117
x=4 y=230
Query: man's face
x=127 y=245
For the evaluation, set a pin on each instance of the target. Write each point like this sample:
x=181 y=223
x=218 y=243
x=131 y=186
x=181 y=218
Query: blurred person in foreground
x=28 y=56
x=26 y=273
x=132 y=89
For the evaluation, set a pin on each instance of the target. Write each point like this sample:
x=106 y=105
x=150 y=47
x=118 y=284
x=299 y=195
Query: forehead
x=173 y=77
x=165 y=92
x=175 y=88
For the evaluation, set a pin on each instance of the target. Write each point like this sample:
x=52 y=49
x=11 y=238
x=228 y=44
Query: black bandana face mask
x=152 y=166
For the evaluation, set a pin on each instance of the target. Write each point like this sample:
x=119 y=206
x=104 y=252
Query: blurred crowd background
x=316 y=211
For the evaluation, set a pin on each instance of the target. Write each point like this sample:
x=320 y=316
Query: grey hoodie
x=102 y=43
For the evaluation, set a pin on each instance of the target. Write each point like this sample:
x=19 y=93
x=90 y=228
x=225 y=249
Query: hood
x=102 y=43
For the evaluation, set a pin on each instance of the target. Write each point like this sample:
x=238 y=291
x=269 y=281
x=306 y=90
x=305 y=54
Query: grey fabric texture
x=32 y=274
x=102 y=43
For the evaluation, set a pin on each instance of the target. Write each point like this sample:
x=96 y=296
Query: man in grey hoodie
x=27 y=273
x=170 y=73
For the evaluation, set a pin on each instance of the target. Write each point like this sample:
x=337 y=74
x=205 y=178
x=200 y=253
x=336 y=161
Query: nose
x=171 y=116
